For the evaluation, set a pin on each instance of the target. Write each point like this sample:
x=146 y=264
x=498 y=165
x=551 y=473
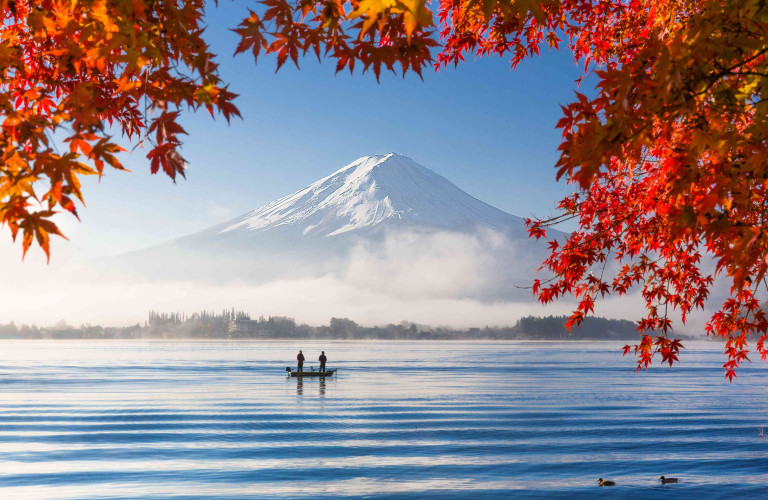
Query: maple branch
x=553 y=221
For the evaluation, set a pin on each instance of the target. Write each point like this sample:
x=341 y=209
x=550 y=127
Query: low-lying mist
x=437 y=278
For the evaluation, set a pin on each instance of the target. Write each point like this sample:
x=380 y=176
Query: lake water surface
x=460 y=420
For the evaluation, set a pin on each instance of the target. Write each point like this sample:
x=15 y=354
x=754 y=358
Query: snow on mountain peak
x=369 y=191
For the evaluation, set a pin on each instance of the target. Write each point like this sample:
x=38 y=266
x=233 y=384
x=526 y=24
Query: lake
x=447 y=420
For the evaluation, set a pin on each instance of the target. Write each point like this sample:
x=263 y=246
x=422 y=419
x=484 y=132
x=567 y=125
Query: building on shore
x=243 y=327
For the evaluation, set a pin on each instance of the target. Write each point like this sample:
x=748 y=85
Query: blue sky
x=488 y=129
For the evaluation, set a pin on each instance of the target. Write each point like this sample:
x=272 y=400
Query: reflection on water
x=313 y=381
x=399 y=420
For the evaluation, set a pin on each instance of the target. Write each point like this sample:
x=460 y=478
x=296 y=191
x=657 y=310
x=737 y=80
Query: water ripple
x=402 y=420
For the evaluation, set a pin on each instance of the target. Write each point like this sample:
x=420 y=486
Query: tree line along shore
x=232 y=324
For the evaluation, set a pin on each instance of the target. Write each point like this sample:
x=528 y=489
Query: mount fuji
x=373 y=191
x=371 y=205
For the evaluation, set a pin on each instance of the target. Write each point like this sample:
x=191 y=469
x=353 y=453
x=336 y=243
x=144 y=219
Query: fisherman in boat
x=300 y=362
x=323 y=359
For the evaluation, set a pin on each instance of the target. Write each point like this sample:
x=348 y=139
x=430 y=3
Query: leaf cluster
x=71 y=73
x=669 y=162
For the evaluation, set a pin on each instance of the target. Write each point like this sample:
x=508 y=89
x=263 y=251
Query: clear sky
x=488 y=129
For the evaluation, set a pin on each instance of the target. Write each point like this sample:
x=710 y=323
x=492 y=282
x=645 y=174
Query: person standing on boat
x=300 y=362
x=323 y=359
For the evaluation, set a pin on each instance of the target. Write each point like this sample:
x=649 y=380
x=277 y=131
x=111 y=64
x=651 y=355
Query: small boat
x=312 y=373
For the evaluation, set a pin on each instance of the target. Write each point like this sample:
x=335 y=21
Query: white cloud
x=437 y=265
x=438 y=279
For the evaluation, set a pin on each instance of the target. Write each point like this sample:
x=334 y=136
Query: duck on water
x=664 y=480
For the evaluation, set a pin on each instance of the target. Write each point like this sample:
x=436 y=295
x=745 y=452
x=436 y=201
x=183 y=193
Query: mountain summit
x=371 y=191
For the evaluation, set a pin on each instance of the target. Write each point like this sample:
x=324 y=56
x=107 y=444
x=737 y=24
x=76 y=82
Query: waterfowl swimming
x=665 y=480
x=605 y=483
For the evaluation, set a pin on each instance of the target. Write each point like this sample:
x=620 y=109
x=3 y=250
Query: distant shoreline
x=233 y=325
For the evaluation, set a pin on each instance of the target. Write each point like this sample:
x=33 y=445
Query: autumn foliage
x=74 y=72
x=667 y=155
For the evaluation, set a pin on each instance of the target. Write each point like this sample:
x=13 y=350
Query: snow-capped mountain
x=373 y=190
x=373 y=207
